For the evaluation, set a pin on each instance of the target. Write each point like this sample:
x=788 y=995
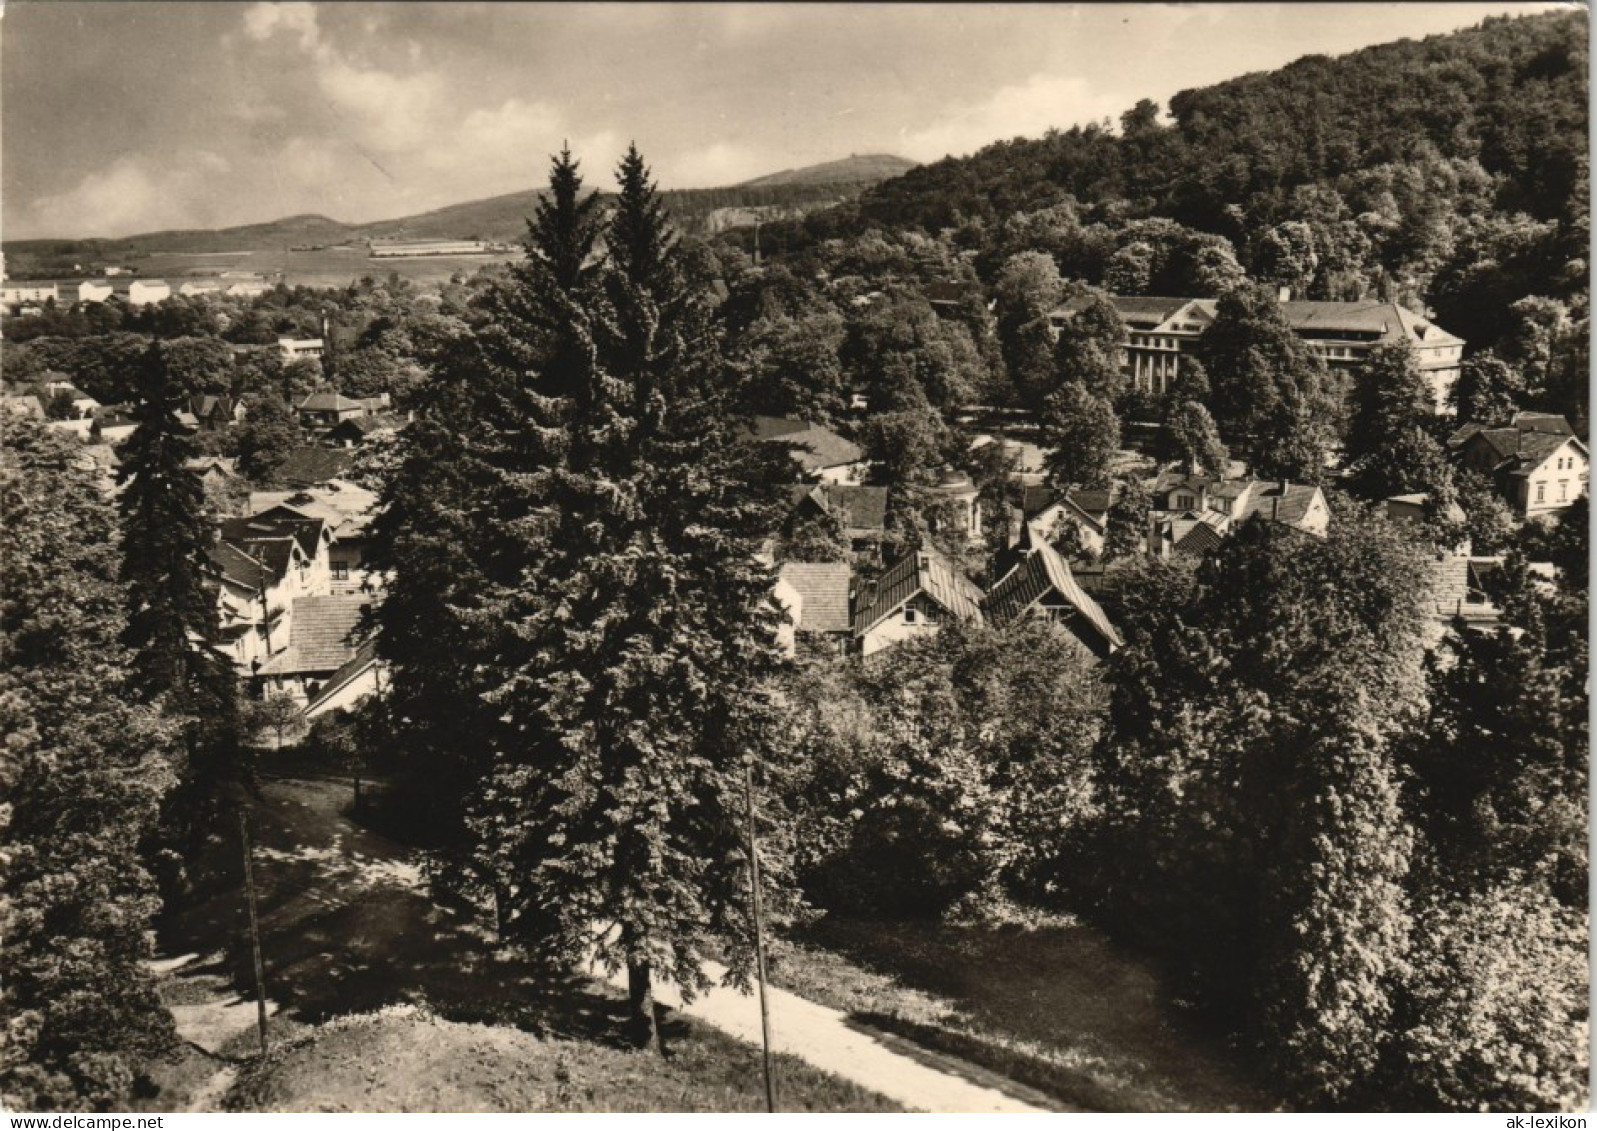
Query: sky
x=119 y=118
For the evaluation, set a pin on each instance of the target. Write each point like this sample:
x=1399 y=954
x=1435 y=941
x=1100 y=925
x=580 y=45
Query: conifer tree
x=634 y=683
x=82 y=771
x=172 y=627
x=462 y=522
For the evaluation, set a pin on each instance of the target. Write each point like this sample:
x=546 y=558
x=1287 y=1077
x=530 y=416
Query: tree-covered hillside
x=1449 y=172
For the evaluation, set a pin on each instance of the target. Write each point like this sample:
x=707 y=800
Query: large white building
x=1159 y=331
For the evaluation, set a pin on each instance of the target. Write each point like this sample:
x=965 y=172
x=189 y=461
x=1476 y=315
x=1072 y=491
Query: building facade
x=1161 y=331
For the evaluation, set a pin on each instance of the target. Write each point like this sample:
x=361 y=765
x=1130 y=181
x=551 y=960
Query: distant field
x=328 y=267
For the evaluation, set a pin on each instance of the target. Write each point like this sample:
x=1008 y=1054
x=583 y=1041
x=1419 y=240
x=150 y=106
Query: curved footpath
x=825 y=1038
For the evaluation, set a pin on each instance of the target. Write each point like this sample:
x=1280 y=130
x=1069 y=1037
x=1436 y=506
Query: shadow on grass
x=1059 y=1008
x=346 y=927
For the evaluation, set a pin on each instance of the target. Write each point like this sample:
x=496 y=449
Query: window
x=1184 y=501
x=1563 y=490
x=1541 y=492
x=909 y=616
x=340 y=571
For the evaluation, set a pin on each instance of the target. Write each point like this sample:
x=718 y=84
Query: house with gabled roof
x=1191 y=514
x=860 y=511
x=327 y=408
x=1052 y=510
x=819 y=607
x=310 y=534
x=1041 y=584
x=1536 y=462
x=256 y=583
x=323 y=637
x=346 y=509
x=916 y=596
x=354 y=431
x=360 y=678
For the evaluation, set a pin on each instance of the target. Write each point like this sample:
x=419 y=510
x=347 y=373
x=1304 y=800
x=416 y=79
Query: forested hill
x=1449 y=174
x=1510 y=94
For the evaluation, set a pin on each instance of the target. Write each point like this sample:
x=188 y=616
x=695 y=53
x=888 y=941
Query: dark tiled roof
x=276 y=554
x=1042 y=573
x=1548 y=422
x=1287 y=503
x=1535 y=448
x=1198 y=541
x=306 y=467
x=321 y=638
x=367 y=425
x=919 y=571
x=280 y=522
x=861 y=510
x=364 y=657
x=824 y=587
x=237 y=566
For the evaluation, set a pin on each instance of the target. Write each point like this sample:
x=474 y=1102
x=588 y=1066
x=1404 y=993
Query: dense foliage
x=83 y=772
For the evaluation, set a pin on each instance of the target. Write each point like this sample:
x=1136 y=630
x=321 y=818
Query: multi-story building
x=1160 y=331
x=144 y=291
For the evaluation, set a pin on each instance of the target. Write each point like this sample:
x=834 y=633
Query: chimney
x=1284 y=294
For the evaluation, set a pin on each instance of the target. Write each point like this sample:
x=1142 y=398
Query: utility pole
x=759 y=938
x=255 y=930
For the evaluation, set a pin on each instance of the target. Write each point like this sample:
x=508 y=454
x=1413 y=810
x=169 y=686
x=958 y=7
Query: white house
x=14 y=294
x=917 y=595
x=142 y=292
x=293 y=349
x=91 y=291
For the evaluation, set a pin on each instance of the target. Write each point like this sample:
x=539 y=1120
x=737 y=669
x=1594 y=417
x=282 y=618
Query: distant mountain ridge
x=498 y=219
x=854 y=169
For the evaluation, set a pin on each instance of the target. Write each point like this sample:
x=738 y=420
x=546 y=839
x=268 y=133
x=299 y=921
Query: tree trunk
x=644 y=1030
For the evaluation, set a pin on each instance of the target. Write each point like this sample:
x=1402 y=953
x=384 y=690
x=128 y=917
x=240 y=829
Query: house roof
x=1044 y=572
x=816 y=448
x=281 y=522
x=342 y=505
x=771 y=427
x=1199 y=539
x=276 y=554
x=307 y=466
x=326 y=401
x=1536 y=448
x=365 y=656
x=1548 y=422
x=824 y=589
x=919 y=571
x=236 y=566
x=320 y=636
x=1287 y=503
x=367 y=425
x=862 y=511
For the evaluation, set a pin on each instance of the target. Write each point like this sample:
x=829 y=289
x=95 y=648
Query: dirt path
x=826 y=1039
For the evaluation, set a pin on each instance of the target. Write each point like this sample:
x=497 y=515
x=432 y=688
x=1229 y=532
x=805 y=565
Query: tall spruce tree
x=633 y=686
x=172 y=622
x=464 y=520
x=82 y=771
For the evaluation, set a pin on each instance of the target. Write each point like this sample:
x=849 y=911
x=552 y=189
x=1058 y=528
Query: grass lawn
x=445 y=1018
x=1058 y=1008
x=404 y=1059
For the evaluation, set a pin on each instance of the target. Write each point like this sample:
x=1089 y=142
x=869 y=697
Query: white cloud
x=263 y=20
x=714 y=165
x=128 y=196
x=1029 y=109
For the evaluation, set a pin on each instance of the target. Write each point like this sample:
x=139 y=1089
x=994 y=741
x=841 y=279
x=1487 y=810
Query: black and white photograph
x=794 y=557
